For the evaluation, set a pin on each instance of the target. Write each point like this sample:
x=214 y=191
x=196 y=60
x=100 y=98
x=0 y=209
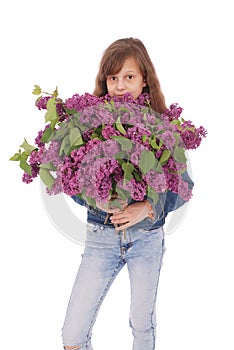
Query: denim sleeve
x=170 y=201
x=79 y=200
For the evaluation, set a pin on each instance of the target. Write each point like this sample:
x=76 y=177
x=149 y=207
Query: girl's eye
x=112 y=78
x=130 y=77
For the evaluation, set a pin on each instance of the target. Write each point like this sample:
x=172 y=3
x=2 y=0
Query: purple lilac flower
x=192 y=138
x=26 y=178
x=173 y=166
x=89 y=117
x=118 y=174
x=152 y=117
x=61 y=110
x=143 y=99
x=110 y=148
x=77 y=155
x=57 y=186
x=94 y=145
x=52 y=154
x=86 y=135
x=103 y=169
x=172 y=171
x=80 y=102
x=69 y=178
x=135 y=153
x=41 y=102
x=35 y=159
x=183 y=190
x=34 y=162
x=104 y=116
x=157 y=181
x=137 y=132
x=168 y=139
x=108 y=131
x=38 y=140
x=92 y=170
x=132 y=116
x=172 y=181
x=173 y=112
x=128 y=98
x=137 y=189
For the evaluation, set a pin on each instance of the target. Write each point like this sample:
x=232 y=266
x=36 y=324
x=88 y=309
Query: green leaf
x=51 y=113
x=55 y=93
x=153 y=142
x=147 y=161
x=46 y=177
x=144 y=138
x=24 y=164
x=177 y=138
x=27 y=147
x=75 y=137
x=16 y=157
x=137 y=175
x=123 y=194
x=60 y=133
x=37 y=90
x=179 y=155
x=128 y=169
x=120 y=156
x=116 y=203
x=65 y=146
x=158 y=167
x=48 y=166
x=125 y=144
x=119 y=126
x=46 y=135
x=175 y=122
x=91 y=201
x=165 y=156
x=152 y=194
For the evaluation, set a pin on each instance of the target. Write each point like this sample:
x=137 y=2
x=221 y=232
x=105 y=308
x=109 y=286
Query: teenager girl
x=133 y=236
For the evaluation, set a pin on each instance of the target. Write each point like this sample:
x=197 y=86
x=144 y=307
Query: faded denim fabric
x=106 y=252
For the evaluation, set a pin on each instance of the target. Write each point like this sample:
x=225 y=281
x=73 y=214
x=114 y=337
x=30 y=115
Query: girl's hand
x=130 y=216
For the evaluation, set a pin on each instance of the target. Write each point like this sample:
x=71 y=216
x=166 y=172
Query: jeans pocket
x=155 y=230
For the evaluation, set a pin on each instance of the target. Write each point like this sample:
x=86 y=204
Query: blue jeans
x=106 y=252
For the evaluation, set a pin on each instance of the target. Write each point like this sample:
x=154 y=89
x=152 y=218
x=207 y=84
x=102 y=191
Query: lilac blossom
x=183 y=190
x=91 y=169
x=156 y=180
x=35 y=159
x=41 y=102
x=168 y=139
x=137 y=132
x=135 y=153
x=80 y=102
x=192 y=137
x=109 y=131
x=110 y=148
x=38 y=139
x=52 y=154
x=173 y=112
x=136 y=189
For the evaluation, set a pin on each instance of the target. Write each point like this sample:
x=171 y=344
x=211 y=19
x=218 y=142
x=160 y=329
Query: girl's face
x=128 y=80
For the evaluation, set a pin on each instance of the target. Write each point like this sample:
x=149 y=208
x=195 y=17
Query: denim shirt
x=168 y=201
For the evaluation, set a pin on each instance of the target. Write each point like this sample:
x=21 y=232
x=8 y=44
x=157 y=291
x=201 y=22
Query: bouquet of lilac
x=102 y=147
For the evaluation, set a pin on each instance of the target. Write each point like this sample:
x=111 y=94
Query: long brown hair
x=112 y=61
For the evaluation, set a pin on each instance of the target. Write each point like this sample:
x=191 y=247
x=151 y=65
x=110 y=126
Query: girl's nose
x=120 y=84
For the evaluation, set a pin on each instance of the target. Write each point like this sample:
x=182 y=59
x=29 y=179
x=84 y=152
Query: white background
x=60 y=43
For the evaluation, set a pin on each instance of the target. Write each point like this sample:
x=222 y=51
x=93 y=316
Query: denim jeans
x=105 y=253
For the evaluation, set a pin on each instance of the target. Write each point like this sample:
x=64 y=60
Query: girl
x=132 y=236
